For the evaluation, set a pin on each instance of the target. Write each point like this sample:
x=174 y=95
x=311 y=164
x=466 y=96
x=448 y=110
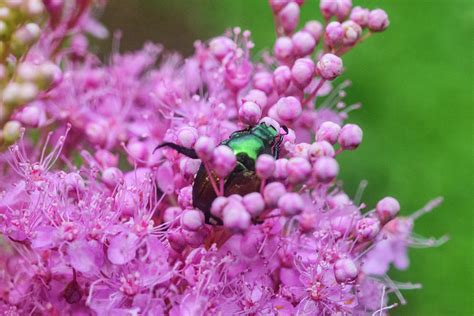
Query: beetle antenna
x=188 y=152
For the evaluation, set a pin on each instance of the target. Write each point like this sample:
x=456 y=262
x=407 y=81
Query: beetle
x=247 y=145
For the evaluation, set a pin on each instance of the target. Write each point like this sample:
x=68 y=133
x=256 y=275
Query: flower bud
x=11 y=131
x=378 y=20
x=352 y=32
x=31 y=116
x=235 y=217
x=283 y=49
x=289 y=17
x=303 y=43
x=272 y=193
x=250 y=113
x=28 y=91
x=221 y=46
x=11 y=94
x=367 y=228
x=97 y=133
x=106 y=158
x=338 y=8
x=204 y=147
x=192 y=220
x=263 y=80
x=33 y=7
x=302 y=72
x=189 y=167
x=277 y=5
x=329 y=132
x=299 y=170
x=26 y=35
x=281 y=78
x=326 y=169
x=254 y=203
x=185 y=197
x=329 y=66
x=291 y=204
x=315 y=28
x=257 y=96
x=187 y=136
x=265 y=165
x=270 y=122
x=350 y=137
x=360 y=16
x=74 y=182
x=320 y=149
x=171 y=213
x=345 y=270
x=218 y=206
x=112 y=176
x=223 y=161
x=386 y=209
x=288 y=109
x=334 y=34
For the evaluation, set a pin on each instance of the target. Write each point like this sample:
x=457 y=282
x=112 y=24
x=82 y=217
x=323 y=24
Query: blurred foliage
x=415 y=82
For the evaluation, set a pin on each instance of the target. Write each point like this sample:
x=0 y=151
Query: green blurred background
x=416 y=85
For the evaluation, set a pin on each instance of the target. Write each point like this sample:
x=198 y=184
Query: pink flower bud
x=194 y=239
x=31 y=116
x=106 y=158
x=223 y=161
x=291 y=204
x=187 y=136
x=265 y=166
x=27 y=35
x=254 y=203
x=329 y=132
x=299 y=170
x=367 y=228
x=221 y=46
x=270 y=122
x=235 y=216
x=251 y=242
x=387 y=208
x=277 y=5
x=342 y=224
x=74 y=182
x=315 y=28
x=288 y=109
x=301 y=150
x=137 y=150
x=289 y=17
x=238 y=73
x=257 y=96
x=97 y=133
x=112 y=177
x=345 y=270
x=281 y=78
x=320 y=149
x=281 y=170
x=352 y=32
x=303 y=43
x=33 y=7
x=350 y=137
x=329 y=66
x=263 y=80
x=218 y=206
x=185 y=197
x=176 y=240
x=334 y=34
x=204 y=147
x=337 y=8
x=338 y=200
x=378 y=20
x=189 y=167
x=250 y=113
x=272 y=193
x=326 y=169
x=171 y=213
x=302 y=72
x=360 y=16
x=283 y=49
x=192 y=220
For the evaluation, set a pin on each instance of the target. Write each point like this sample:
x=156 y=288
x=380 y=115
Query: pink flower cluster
x=94 y=221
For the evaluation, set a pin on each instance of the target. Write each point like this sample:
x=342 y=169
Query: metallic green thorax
x=259 y=140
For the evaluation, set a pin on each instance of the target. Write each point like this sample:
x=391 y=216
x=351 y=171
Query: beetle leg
x=188 y=152
x=276 y=148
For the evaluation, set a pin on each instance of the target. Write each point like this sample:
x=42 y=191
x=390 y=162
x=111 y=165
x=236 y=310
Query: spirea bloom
x=126 y=190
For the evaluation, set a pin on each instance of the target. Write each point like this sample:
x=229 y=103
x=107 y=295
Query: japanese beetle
x=247 y=145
